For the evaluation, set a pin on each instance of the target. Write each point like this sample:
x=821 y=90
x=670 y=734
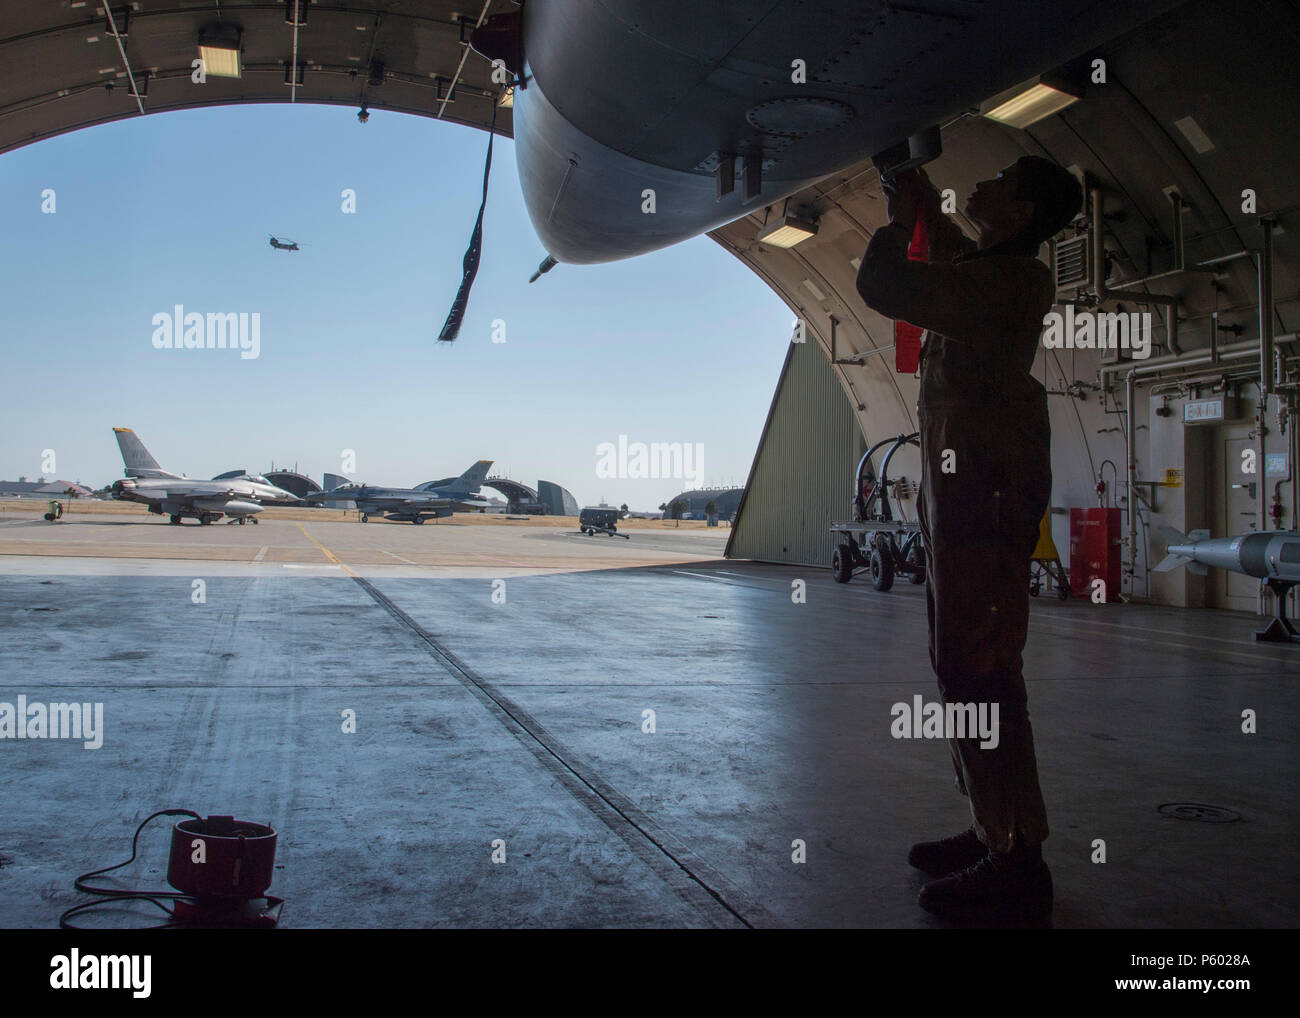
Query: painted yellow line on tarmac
x=326 y=552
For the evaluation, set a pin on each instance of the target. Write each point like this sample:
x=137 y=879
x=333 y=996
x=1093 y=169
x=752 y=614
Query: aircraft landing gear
x=417 y=520
x=174 y=519
x=207 y=519
x=365 y=518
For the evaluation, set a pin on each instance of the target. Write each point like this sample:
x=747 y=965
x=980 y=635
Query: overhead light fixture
x=507 y=98
x=1030 y=102
x=1196 y=137
x=787 y=231
x=118 y=18
x=219 y=51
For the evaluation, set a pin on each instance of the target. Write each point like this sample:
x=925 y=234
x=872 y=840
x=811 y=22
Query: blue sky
x=684 y=345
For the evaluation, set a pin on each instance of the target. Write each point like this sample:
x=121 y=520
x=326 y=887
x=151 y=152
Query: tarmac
x=556 y=730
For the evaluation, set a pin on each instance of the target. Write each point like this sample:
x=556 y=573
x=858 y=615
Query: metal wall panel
x=802 y=476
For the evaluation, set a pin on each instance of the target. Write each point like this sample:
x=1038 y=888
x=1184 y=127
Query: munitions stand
x=875 y=539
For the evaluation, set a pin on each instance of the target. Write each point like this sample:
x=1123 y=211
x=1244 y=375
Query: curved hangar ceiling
x=62 y=67
x=1198 y=102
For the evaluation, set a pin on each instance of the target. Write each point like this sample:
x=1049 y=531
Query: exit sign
x=1209 y=411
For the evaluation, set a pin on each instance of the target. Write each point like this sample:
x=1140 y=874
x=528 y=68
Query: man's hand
x=902 y=197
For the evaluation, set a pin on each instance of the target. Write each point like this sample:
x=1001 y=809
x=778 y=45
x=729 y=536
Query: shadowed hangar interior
x=777 y=709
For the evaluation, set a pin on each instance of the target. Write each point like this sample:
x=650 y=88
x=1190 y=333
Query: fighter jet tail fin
x=136 y=458
x=472 y=479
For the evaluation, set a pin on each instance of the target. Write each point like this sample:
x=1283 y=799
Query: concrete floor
x=522 y=721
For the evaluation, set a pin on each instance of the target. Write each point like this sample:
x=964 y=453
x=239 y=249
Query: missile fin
x=1169 y=535
x=1199 y=535
x=1171 y=562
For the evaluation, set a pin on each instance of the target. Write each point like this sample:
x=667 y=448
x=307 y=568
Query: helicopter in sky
x=284 y=245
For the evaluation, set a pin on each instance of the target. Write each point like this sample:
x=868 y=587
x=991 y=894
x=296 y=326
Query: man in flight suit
x=986 y=481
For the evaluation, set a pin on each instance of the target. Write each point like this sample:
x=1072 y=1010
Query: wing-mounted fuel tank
x=229 y=506
x=641 y=123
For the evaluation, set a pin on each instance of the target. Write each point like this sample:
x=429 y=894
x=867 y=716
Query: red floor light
x=225 y=866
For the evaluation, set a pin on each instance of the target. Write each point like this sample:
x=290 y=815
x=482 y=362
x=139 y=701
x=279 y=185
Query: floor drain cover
x=1199 y=811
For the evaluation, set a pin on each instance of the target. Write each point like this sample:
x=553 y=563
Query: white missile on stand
x=1272 y=557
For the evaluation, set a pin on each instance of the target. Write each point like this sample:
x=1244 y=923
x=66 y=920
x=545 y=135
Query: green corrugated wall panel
x=802 y=477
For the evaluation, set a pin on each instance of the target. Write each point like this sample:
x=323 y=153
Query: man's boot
x=940 y=858
x=1015 y=885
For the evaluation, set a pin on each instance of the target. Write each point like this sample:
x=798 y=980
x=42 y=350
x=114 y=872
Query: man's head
x=1029 y=201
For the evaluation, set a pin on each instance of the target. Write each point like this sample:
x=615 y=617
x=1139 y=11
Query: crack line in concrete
x=745 y=911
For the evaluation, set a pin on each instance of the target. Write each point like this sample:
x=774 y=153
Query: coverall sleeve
x=969 y=301
x=946 y=239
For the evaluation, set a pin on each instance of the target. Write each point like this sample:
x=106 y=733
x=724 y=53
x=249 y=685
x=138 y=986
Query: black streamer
x=451 y=328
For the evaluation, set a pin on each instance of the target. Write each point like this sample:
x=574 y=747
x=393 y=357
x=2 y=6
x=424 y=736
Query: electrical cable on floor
x=108 y=895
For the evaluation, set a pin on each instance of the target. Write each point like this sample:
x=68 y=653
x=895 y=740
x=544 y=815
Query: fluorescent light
x=219 y=51
x=507 y=100
x=220 y=63
x=1028 y=103
x=1196 y=137
x=787 y=232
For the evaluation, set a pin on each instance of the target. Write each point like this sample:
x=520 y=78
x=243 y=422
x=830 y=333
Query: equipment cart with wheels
x=595 y=519
x=876 y=539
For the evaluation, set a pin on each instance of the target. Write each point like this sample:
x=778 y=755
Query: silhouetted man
x=986 y=481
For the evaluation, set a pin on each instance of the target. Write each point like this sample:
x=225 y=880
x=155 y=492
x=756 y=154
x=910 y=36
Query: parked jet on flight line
x=431 y=499
x=178 y=496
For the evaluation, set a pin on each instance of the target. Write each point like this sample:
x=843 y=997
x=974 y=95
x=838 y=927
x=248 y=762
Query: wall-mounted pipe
x=1104 y=294
x=1157 y=365
x=1238 y=351
x=1177 y=200
x=1293 y=422
x=1261 y=471
x=1240 y=371
x=1266 y=349
x=1130 y=475
x=1209 y=262
x=1266 y=307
